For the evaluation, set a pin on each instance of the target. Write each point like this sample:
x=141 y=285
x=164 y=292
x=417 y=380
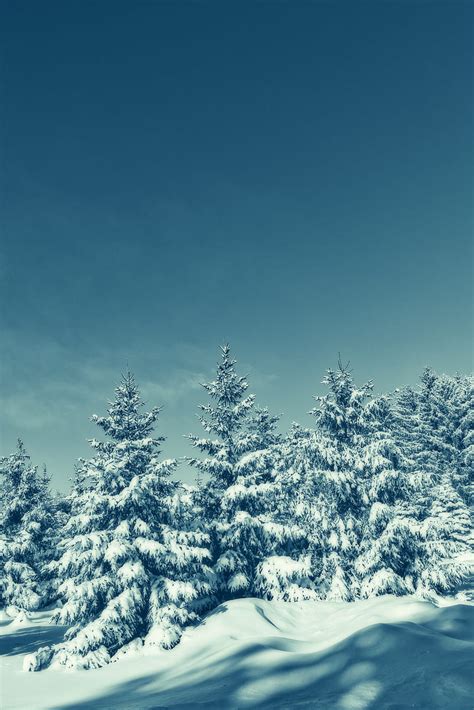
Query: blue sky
x=295 y=178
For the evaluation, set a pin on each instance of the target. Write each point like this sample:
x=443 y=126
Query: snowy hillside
x=374 y=654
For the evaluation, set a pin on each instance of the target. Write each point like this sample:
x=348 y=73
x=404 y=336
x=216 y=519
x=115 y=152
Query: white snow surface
x=387 y=653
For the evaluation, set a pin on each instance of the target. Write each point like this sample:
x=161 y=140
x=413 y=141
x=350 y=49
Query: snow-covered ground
x=380 y=654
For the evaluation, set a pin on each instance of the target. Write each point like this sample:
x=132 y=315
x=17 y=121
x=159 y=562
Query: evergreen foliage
x=27 y=528
x=374 y=498
x=128 y=572
x=238 y=493
x=433 y=426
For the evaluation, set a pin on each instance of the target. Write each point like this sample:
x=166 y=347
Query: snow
x=375 y=654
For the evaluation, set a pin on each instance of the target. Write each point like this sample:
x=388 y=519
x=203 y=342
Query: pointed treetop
x=342 y=411
x=228 y=388
x=45 y=476
x=125 y=420
x=21 y=448
x=227 y=414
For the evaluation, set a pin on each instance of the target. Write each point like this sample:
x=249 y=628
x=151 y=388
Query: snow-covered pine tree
x=444 y=429
x=128 y=572
x=237 y=494
x=354 y=492
x=53 y=513
x=463 y=477
x=448 y=538
x=392 y=554
x=406 y=421
x=432 y=428
x=26 y=532
x=284 y=573
x=333 y=506
x=436 y=440
x=288 y=577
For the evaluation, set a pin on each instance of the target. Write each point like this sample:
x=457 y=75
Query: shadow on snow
x=384 y=666
x=29 y=639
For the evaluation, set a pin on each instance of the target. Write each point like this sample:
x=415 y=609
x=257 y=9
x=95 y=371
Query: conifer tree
x=436 y=442
x=354 y=495
x=26 y=532
x=391 y=554
x=129 y=572
x=334 y=493
x=432 y=427
x=463 y=477
x=448 y=536
x=237 y=494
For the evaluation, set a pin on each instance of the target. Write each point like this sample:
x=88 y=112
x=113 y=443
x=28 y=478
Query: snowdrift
x=378 y=654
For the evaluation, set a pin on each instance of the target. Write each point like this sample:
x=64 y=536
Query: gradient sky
x=295 y=178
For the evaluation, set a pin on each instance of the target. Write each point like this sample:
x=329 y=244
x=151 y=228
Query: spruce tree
x=391 y=556
x=354 y=493
x=129 y=572
x=448 y=538
x=463 y=477
x=237 y=494
x=432 y=428
x=436 y=440
x=332 y=488
x=26 y=532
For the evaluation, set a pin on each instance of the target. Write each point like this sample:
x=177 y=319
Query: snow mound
x=21 y=618
x=386 y=653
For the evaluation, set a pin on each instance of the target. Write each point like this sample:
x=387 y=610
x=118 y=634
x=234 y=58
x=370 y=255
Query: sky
x=293 y=178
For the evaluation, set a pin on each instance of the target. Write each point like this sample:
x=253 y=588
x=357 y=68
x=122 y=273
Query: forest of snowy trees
x=374 y=498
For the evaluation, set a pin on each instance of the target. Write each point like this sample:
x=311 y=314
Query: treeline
x=374 y=498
